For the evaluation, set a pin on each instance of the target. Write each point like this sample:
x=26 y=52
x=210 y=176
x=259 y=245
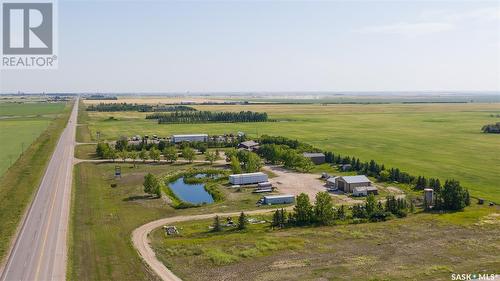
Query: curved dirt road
x=140 y=239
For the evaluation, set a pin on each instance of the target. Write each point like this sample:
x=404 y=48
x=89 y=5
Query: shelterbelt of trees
x=208 y=116
x=288 y=152
x=451 y=196
x=111 y=107
x=491 y=128
x=323 y=212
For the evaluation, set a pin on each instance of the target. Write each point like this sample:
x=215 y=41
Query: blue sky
x=162 y=46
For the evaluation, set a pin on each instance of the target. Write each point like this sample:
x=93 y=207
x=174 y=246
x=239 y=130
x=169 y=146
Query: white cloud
x=482 y=14
x=410 y=29
x=437 y=21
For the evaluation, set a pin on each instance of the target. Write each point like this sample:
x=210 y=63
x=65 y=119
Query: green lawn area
x=419 y=247
x=435 y=140
x=85 y=151
x=103 y=217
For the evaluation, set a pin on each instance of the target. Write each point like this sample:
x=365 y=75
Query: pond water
x=192 y=193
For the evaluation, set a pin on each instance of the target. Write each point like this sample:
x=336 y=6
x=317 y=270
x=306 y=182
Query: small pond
x=193 y=193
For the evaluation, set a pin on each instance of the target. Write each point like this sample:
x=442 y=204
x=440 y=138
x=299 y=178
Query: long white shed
x=278 y=199
x=190 y=138
x=248 y=178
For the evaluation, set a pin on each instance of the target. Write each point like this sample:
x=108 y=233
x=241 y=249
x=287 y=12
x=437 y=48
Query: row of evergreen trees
x=291 y=143
x=112 y=107
x=208 y=116
x=305 y=213
x=374 y=210
x=324 y=213
x=450 y=196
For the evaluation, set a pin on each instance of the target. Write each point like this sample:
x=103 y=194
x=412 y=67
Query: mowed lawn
x=20 y=125
x=435 y=140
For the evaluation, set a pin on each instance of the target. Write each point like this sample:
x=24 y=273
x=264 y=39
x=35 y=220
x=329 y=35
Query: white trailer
x=249 y=178
x=265 y=184
x=278 y=199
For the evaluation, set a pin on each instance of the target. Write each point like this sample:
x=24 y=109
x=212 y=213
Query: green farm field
x=435 y=140
x=20 y=125
x=30 y=109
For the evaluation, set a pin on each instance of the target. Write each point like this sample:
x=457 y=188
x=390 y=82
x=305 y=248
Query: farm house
x=249 y=145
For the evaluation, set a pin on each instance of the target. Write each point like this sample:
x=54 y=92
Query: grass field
x=18 y=183
x=30 y=109
x=103 y=218
x=436 y=140
x=419 y=247
x=20 y=125
x=85 y=151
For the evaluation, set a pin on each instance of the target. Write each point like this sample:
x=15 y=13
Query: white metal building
x=249 y=178
x=190 y=138
x=278 y=199
x=348 y=183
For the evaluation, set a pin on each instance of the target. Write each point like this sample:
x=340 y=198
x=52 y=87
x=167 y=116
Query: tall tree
x=211 y=157
x=454 y=196
x=216 y=226
x=154 y=154
x=323 y=209
x=341 y=213
x=144 y=155
x=188 y=154
x=242 y=221
x=235 y=165
x=371 y=204
x=230 y=153
x=303 y=210
x=122 y=154
x=170 y=154
x=253 y=163
x=133 y=155
x=151 y=184
x=111 y=154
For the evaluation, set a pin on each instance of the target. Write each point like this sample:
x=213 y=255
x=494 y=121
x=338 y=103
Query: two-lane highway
x=40 y=249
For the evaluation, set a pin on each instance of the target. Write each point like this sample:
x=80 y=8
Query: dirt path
x=140 y=239
x=289 y=182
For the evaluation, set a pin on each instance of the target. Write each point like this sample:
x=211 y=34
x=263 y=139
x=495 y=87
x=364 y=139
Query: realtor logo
x=28 y=37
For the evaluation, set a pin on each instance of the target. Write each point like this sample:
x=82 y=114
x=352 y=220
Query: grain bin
x=428 y=196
